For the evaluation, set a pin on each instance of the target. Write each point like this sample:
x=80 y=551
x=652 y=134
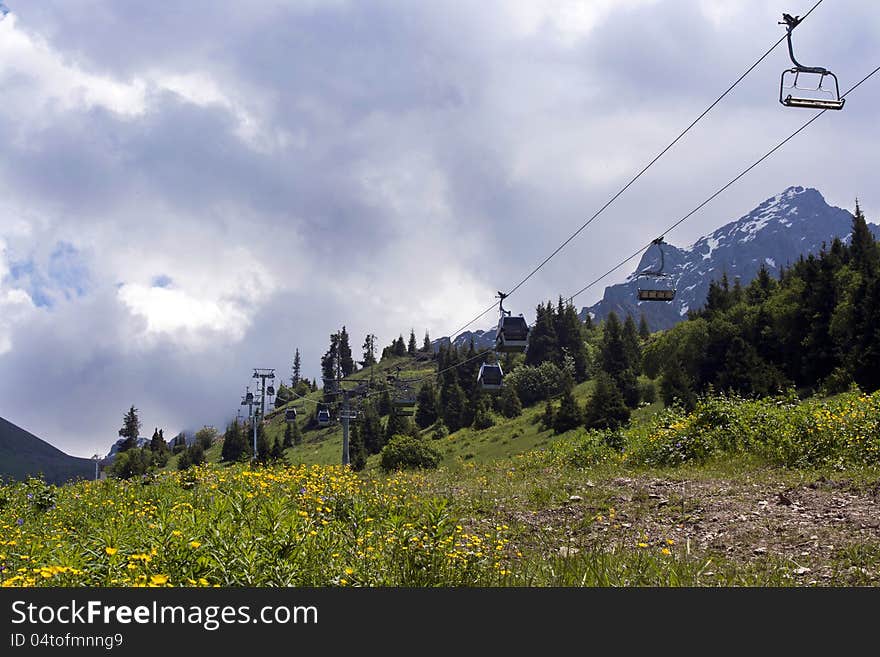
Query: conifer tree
x=426 y=344
x=411 y=345
x=357 y=453
x=426 y=410
x=396 y=425
x=296 y=370
x=644 y=331
x=264 y=449
x=369 y=351
x=510 y=405
x=606 y=409
x=452 y=404
x=483 y=413
x=632 y=346
x=371 y=430
x=288 y=435
x=131 y=427
x=277 y=452
x=569 y=415
x=346 y=362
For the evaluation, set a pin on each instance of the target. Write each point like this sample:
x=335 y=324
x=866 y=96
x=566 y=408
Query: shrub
x=408 y=453
x=648 y=392
x=535 y=384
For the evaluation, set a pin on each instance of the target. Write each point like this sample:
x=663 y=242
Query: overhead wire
x=723 y=188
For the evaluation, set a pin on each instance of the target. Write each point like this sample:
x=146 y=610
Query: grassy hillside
x=22 y=454
x=738 y=492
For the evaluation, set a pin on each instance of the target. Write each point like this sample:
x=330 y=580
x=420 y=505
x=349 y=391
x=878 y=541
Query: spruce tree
x=399 y=347
x=426 y=344
x=357 y=453
x=426 y=410
x=453 y=402
x=863 y=248
x=330 y=360
x=385 y=406
x=411 y=345
x=369 y=348
x=644 y=331
x=543 y=343
x=264 y=449
x=370 y=430
x=157 y=442
x=631 y=345
x=346 y=362
x=569 y=415
x=483 y=413
x=395 y=426
x=509 y=405
x=277 y=452
x=549 y=415
x=131 y=427
x=234 y=443
x=614 y=357
x=296 y=370
x=606 y=409
x=675 y=386
x=288 y=435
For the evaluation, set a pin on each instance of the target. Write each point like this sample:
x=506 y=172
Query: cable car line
x=638 y=175
x=724 y=188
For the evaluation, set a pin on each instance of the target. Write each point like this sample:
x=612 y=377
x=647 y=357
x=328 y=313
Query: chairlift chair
x=656 y=285
x=490 y=376
x=830 y=99
x=512 y=333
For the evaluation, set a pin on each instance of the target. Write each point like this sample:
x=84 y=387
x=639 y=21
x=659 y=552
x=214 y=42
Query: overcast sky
x=192 y=189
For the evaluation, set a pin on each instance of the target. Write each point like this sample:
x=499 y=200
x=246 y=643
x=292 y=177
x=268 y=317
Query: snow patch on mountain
x=774 y=235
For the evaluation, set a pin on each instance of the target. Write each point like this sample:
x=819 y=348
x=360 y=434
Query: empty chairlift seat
x=810 y=87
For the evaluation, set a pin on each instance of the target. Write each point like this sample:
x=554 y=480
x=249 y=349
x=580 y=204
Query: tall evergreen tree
x=369 y=351
x=509 y=404
x=330 y=360
x=399 y=347
x=426 y=344
x=543 y=343
x=396 y=425
x=296 y=370
x=632 y=346
x=452 y=404
x=157 y=442
x=411 y=346
x=346 y=362
x=570 y=336
x=569 y=415
x=863 y=248
x=606 y=409
x=644 y=331
x=614 y=356
x=371 y=430
x=131 y=426
x=276 y=454
x=264 y=449
x=426 y=409
x=357 y=452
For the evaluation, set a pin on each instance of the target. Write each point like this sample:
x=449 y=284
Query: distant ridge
x=22 y=454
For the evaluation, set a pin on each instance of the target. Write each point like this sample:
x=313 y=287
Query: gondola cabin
x=290 y=415
x=490 y=377
x=512 y=334
x=323 y=418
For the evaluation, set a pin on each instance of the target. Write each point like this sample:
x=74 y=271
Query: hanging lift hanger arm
x=790 y=23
